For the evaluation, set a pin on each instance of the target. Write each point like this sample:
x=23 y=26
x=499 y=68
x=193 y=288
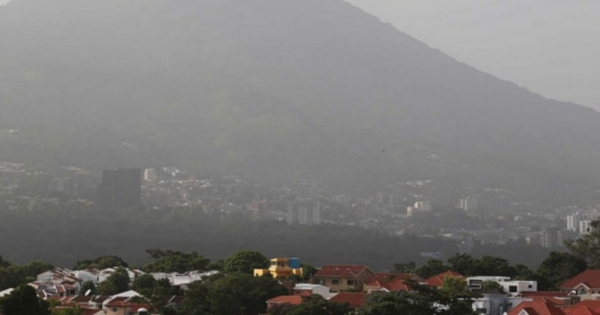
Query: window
x=351 y=282
x=530 y=286
x=114 y=309
x=321 y=282
x=512 y=288
x=335 y=282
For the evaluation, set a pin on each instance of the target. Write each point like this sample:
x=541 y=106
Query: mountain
x=271 y=89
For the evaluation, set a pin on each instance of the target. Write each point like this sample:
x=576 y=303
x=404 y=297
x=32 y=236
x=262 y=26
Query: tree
x=24 y=300
x=490 y=265
x=158 y=294
x=4 y=263
x=462 y=263
x=308 y=271
x=243 y=294
x=246 y=261
x=405 y=267
x=11 y=277
x=311 y=305
x=559 y=267
x=196 y=300
x=88 y=285
x=102 y=262
x=587 y=246
x=431 y=268
x=175 y=261
x=117 y=283
x=490 y=286
x=455 y=286
x=423 y=300
x=144 y=284
x=216 y=265
x=33 y=268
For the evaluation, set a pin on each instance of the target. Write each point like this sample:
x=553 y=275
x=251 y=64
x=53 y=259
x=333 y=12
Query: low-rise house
x=6 y=292
x=97 y=301
x=123 y=297
x=305 y=289
x=515 y=287
x=560 y=299
x=343 y=277
x=586 y=283
x=588 y=307
x=281 y=268
x=178 y=279
x=536 y=308
x=496 y=302
x=174 y=302
x=437 y=281
x=475 y=284
x=354 y=300
x=105 y=273
x=390 y=282
x=284 y=300
x=126 y=307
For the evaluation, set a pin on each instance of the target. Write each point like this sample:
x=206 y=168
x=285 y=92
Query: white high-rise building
x=423 y=206
x=304 y=212
x=573 y=221
x=585 y=226
x=150 y=175
x=469 y=204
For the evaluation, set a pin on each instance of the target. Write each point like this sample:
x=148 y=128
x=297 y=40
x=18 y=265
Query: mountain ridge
x=273 y=88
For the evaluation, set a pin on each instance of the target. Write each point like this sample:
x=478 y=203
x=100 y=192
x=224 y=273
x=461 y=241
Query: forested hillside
x=271 y=88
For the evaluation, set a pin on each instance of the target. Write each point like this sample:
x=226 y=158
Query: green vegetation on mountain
x=266 y=90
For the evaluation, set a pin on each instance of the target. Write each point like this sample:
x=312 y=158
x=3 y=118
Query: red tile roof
x=580 y=310
x=391 y=277
x=544 y=293
x=590 y=278
x=536 y=308
x=392 y=281
x=558 y=301
x=591 y=304
x=438 y=280
x=354 y=300
x=340 y=270
x=91 y=311
x=286 y=299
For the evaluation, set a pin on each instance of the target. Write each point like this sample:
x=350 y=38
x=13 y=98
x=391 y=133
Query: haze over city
x=299 y=157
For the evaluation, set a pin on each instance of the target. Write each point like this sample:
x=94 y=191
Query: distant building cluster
x=304 y=212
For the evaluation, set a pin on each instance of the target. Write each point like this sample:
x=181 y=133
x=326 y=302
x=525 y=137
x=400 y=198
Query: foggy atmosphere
x=299 y=157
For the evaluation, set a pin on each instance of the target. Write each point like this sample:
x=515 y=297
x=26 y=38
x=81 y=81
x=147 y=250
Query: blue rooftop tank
x=295 y=263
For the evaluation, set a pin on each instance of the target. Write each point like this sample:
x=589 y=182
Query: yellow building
x=281 y=268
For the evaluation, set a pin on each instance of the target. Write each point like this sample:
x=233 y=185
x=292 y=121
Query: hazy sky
x=548 y=46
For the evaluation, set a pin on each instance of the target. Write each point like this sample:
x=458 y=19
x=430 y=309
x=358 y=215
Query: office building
x=304 y=212
x=469 y=204
x=552 y=238
x=573 y=221
x=585 y=226
x=150 y=175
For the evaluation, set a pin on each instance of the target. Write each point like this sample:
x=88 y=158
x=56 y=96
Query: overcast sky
x=548 y=46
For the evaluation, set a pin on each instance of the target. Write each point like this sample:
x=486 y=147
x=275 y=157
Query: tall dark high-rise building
x=120 y=189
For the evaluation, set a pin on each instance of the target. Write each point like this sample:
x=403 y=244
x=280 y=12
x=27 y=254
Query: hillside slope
x=267 y=89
